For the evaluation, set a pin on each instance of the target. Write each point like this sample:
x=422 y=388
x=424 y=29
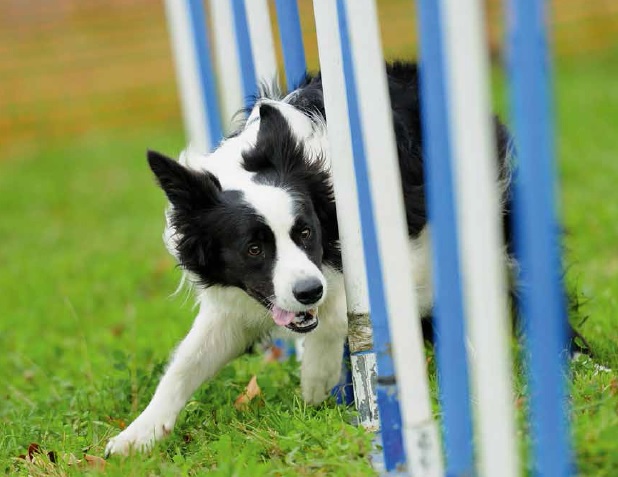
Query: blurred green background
x=73 y=67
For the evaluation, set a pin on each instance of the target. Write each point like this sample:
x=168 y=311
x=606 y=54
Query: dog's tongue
x=282 y=317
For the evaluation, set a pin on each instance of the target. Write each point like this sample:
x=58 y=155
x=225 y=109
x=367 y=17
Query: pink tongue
x=282 y=317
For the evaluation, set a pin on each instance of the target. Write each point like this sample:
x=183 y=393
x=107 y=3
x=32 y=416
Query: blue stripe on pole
x=344 y=391
x=388 y=404
x=207 y=77
x=537 y=242
x=245 y=54
x=291 y=42
x=448 y=310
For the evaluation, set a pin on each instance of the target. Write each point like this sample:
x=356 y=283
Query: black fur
x=279 y=159
x=405 y=101
x=214 y=229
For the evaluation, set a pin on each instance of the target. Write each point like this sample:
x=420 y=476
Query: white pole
x=262 y=43
x=226 y=57
x=480 y=234
x=420 y=431
x=187 y=74
x=348 y=217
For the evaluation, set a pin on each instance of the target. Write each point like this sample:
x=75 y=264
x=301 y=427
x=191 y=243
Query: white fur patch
x=276 y=206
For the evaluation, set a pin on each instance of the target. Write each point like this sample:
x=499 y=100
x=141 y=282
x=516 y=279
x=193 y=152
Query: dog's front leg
x=214 y=340
x=322 y=357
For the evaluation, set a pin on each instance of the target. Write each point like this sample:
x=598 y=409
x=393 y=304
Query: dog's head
x=269 y=237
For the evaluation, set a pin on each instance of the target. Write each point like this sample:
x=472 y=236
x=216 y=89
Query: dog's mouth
x=299 y=321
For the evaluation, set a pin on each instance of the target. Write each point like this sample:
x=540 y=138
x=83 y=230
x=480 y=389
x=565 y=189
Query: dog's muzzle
x=304 y=321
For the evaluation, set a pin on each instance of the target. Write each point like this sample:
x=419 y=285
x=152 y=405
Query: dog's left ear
x=186 y=189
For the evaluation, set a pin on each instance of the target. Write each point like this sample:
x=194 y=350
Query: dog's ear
x=271 y=138
x=276 y=147
x=186 y=189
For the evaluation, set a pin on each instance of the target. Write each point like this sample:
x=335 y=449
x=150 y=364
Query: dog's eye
x=305 y=233
x=254 y=250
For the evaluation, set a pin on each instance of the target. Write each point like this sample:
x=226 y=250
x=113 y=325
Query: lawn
x=87 y=321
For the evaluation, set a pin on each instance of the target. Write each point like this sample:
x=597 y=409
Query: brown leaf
x=273 y=354
x=33 y=448
x=251 y=391
x=520 y=402
x=39 y=462
x=118 y=422
x=95 y=462
x=118 y=329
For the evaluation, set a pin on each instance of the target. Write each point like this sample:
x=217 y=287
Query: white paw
x=316 y=386
x=140 y=436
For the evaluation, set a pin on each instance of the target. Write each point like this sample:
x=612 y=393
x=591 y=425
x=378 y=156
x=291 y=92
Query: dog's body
x=253 y=225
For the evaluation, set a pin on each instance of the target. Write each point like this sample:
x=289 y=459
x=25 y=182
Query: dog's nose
x=308 y=291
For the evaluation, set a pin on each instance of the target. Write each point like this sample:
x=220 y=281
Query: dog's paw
x=140 y=436
x=316 y=387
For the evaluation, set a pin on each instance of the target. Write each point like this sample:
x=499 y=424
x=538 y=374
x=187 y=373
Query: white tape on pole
x=226 y=58
x=187 y=74
x=262 y=43
x=420 y=431
x=482 y=253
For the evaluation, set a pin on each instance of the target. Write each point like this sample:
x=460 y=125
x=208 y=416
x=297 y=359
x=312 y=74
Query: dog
x=253 y=226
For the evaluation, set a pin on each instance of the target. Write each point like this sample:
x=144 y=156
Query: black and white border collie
x=254 y=228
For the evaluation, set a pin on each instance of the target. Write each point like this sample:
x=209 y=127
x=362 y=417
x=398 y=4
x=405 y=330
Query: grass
x=87 y=323
x=87 y=326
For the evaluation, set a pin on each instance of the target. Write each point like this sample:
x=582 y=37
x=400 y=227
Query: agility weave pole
x=402 y=375
x=194 y=74
x=462 y=208
x=536 y=231
x=448 y=312
x=480 y=234
x=333 y=62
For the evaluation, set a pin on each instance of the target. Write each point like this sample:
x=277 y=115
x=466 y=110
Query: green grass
x=87 y=325
x=86 y=321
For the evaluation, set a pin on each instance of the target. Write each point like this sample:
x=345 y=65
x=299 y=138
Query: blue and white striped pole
x=362 y=357
x=448 y=314
x=245 y=54
x=386 y=386
x=227 y=61
x=196 y=80
x=480 y=234
x=262 y=43
x=291 y=42
x=537 y=237
x=398 y=340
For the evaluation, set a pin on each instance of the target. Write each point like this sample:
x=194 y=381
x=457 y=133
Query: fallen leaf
x=118 y=329
x=118 y=422
x=520 y=402
x=33 y=448
x=273 y=354
x=39 y=462
x=95 y=462
x=251 y=391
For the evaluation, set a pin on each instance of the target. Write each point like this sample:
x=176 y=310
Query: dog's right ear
x=186 y=189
